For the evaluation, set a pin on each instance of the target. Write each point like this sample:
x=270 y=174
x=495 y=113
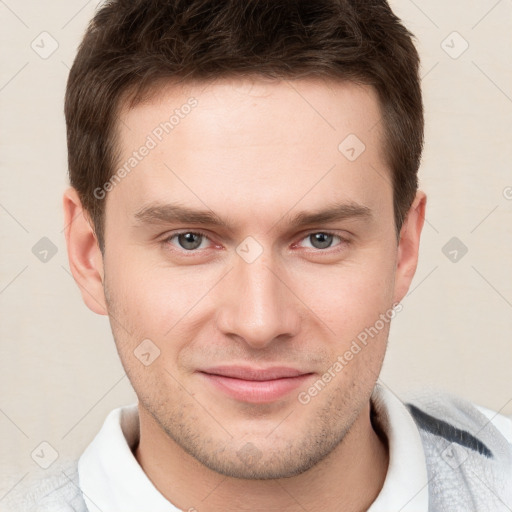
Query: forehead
x=257 y=108
x=255 y=142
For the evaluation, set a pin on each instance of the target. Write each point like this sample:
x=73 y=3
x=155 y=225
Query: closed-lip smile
x=256 y=385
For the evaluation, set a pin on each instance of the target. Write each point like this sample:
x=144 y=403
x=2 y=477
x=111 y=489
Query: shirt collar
x=110 y=477
x=112 y=480
x=406 y=484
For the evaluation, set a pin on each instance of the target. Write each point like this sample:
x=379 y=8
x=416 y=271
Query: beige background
x=59 y=371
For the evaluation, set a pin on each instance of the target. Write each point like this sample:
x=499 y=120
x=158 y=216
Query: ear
x=408 y=246
x=85 y=258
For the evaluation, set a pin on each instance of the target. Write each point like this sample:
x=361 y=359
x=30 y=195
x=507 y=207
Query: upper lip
x=251 y=373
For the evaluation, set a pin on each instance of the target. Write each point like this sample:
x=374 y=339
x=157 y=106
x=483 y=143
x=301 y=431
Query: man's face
x=260 y=289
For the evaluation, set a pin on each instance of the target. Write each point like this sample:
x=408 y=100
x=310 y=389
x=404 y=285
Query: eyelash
x=342 y=241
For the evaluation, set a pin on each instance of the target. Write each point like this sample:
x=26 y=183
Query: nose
x=257 y=305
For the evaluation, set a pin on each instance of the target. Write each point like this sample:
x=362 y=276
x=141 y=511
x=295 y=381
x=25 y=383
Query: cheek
x=150 y=295
x=351 y=296
x=148 y=300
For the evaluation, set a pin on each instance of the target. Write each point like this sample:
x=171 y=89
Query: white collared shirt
x=112 y=480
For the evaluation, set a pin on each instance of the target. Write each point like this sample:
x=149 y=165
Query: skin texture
x=256 y=153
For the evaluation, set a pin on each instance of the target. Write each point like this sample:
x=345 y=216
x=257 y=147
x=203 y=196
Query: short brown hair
x=131 y=45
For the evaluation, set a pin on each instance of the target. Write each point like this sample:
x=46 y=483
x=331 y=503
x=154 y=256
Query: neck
x=348 y=479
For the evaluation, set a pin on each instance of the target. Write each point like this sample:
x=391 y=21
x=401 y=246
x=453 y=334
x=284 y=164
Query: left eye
x=321 y=240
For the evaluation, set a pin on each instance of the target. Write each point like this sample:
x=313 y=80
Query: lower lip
x=256 y=391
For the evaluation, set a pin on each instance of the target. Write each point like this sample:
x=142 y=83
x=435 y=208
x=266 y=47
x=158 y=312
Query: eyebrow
x=174 y=213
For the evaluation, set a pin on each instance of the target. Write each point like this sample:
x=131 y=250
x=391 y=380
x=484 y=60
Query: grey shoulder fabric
x=57 y=490
x=469 y=461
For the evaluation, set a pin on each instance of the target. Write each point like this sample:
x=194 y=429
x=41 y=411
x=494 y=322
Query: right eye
x=187 y=240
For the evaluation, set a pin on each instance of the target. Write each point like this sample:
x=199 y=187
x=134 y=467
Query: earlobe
x=84 y=255
x=408 y=247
